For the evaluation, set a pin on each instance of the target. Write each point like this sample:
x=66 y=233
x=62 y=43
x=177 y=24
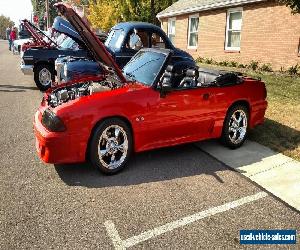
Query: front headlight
x=52 y=122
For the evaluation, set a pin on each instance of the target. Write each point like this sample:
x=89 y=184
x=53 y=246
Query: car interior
x=138 y=40
x=181 y=76
x=157 y=41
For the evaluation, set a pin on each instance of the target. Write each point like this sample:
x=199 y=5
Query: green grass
x=281 y=130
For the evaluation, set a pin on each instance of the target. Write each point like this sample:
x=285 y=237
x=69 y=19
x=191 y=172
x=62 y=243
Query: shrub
x=266 y=67
x=224 y=63
x=294 y=70
x=208 y=60
x=233 y=64
x=253 y=65
x=200 y=59
x=242 y=66
x=282 y=69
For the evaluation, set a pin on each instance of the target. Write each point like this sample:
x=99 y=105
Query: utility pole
x=152 y=8
x=47 y=14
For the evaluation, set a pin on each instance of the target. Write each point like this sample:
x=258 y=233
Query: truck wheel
x=111 y=146
x=43 y=76
x=235 y=128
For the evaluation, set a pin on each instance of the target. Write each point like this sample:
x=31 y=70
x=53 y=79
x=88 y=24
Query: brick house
x=235 y=30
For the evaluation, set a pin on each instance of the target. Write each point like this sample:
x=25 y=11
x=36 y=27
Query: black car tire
x=104 y=139
x=231 y=126
x=39 y=81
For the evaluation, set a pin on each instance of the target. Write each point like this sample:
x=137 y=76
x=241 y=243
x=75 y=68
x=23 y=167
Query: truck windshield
x=115 y=39
x=69 y=43
x=144 y=67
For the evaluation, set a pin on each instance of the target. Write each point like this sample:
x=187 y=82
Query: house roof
x=137 y=25
x=189 y=6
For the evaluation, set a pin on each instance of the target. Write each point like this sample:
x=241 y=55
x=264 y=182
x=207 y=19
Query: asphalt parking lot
x=174 y=198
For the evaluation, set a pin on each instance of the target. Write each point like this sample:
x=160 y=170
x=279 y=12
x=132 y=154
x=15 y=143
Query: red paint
x=38 y=40
x=180 y=117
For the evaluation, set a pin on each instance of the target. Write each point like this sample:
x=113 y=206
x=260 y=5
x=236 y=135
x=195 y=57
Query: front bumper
x=27 y=69
x=58 y=147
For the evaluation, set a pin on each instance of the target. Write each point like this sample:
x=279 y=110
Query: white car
x=17 y=45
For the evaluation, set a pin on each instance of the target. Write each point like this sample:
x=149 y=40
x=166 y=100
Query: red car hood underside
x=37 y=37
x=94 y=45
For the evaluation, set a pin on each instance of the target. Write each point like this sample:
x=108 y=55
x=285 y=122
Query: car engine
x=65 y=94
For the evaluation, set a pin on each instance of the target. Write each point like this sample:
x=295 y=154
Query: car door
x=182 y=115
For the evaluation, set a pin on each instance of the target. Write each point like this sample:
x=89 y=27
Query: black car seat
x=168 y=76
x=190 y=79
x=175 y=72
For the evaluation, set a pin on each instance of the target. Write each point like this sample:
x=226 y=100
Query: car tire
x=235 y=127
x=43 y=76
x=111 y=146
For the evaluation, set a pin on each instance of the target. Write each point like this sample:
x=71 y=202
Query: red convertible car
x=150 y=104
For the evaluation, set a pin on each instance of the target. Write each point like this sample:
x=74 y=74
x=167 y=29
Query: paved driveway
x=76 y=207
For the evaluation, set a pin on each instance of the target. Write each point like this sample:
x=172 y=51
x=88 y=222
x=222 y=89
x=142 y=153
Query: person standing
x=13 y=36
x=8 y=30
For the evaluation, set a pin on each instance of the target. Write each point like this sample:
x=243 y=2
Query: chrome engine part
x=65 y=94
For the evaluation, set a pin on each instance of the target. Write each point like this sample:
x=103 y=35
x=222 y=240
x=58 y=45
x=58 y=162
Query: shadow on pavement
x=9 y=91
x=16 y=88
x=151 y=166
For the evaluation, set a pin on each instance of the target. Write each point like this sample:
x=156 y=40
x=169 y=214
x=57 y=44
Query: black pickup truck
x=39 y=61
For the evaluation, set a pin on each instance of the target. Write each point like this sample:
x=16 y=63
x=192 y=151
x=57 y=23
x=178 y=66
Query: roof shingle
x=190 y=6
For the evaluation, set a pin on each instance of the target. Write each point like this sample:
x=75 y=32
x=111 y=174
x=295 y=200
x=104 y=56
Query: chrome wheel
x=113 y=147
x=45 y=77
x=238 y=126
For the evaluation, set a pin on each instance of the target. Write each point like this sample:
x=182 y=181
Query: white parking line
x=123 y=244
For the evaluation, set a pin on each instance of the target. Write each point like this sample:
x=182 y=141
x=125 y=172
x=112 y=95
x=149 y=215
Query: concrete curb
x=275 y=172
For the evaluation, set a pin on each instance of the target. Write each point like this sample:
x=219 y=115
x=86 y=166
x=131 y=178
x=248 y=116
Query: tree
x=106 y=13
x=102 y=14
x=293 y=4
x=77 y=2
x=4 y=23
x=39 y=8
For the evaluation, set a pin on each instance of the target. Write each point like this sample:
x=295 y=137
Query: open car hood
x=37 y=34
x=63 y=26
x=92 y=42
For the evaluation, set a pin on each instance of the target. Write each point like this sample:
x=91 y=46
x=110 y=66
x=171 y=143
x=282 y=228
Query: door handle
x=206 y=96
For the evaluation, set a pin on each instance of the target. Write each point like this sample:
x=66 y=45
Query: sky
x=16 y=9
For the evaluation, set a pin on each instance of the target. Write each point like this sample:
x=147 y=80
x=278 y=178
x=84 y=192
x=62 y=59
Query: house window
x=171 y=29
x=193 y=31
x=233 y=29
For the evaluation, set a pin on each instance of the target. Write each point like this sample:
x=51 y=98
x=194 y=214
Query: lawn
x=281 y=130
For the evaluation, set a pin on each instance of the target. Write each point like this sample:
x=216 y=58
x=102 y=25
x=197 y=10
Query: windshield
x=69 y=43
x=115 y=39
x=144 y=67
